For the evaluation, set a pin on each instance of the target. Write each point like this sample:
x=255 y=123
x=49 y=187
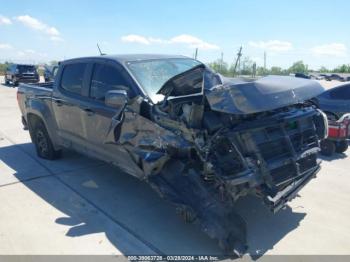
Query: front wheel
x=43 y=143
x=327 y=147
x=14 y=82
x=342 y=146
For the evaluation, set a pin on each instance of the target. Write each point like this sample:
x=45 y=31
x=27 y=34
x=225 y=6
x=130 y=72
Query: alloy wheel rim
x=42 y=142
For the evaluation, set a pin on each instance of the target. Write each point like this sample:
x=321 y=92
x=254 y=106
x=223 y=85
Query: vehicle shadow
x=134 y=206
x=335 y=156
x=266 y=229
x=3 y=84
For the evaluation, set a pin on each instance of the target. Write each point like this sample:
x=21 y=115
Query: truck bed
x=48 y=85
x=29 y=92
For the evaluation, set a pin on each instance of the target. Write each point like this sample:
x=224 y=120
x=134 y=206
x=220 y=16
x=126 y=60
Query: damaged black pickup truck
x=199 y=139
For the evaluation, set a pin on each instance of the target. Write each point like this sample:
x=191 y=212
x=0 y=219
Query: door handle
x=58 y=102
x=89 y=111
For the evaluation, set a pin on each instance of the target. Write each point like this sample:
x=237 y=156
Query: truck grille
x=281 y=146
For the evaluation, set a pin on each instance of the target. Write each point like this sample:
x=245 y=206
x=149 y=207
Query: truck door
x=67 y=103
x=98 y=119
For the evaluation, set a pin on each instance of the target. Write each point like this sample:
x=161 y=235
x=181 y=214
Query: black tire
x=14 y=82
x=331 y=115
x=327 y=147
x=342 y=146
x=6 y=81
x=43 y=144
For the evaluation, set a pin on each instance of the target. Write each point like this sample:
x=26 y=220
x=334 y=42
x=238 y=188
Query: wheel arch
x=32 y=119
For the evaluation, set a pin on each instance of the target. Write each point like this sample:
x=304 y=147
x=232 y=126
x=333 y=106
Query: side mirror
x=116 y=98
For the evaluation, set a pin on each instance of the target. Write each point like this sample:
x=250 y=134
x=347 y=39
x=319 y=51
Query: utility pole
x=254 y=70
x=239 y=54
x=196 y=53
x=222 y=61
x=265 y=62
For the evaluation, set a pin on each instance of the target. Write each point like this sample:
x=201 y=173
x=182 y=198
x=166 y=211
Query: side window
x=341 y=93
x=105 y=78
x=73 y=77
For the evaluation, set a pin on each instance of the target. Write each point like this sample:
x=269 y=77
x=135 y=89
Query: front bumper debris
x=278 y=201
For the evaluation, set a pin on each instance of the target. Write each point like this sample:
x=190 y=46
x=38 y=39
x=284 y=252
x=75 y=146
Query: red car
x=338 y=134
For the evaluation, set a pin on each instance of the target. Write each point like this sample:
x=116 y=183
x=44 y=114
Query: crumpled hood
x=238 y=96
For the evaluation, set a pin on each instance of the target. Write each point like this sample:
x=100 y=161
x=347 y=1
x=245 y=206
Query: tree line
x=246 y=67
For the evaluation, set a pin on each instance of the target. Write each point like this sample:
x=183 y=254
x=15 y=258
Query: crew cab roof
x=128 y=57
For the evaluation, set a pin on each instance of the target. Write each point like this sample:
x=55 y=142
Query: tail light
x=343 y=130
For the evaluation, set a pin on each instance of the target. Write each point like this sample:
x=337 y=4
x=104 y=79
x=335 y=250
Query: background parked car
x=302 y=75
x=327 y=77
x=338 y=135
x=316 y=76
x=335 y=101
x=17 y=73
x=49 y=73
x=336 y=104
x=337 y=77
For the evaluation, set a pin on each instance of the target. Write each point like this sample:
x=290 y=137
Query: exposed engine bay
x=233 y=148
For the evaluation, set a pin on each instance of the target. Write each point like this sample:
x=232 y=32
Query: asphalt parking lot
x=78 y=205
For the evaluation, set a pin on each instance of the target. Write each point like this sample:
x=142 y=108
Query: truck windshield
x=152 y=74
x=26 y=68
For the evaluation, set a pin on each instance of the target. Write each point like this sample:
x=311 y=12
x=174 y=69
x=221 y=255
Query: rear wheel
x=342 y=146
x=327 y=147
x=43 y=143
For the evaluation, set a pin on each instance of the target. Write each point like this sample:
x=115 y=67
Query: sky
x=288 y=31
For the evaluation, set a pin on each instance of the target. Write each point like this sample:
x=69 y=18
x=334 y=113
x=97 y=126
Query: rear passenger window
x=106 y=78
x=72 y=77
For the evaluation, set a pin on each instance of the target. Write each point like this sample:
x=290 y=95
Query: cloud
x=189 y=40
x=135 y=39
x=37 y=25
x=157 y=40
x=272 y=45
x=5 y=46
x=193 y=42
x=5 y=21
x=332 y=49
